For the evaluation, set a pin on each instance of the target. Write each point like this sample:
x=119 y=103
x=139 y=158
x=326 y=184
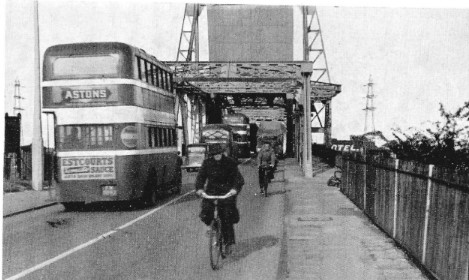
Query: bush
x=445 y=144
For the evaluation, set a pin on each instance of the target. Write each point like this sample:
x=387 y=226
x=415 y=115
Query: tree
x=447 y=143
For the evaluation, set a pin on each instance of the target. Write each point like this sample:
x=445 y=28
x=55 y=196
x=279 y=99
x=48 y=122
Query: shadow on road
x=276 y=192
x=244 y=248
x=107 y=206
x=123 y=206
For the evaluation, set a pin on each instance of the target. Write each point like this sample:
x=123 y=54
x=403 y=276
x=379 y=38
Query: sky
x=417 y=54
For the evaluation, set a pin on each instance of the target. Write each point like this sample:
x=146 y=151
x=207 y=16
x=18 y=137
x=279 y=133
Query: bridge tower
x=192 y=103
x=188 y=49
x=314 y=51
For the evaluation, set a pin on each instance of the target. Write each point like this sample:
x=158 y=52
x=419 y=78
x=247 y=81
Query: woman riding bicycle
x=265 y=160
x=222 y=176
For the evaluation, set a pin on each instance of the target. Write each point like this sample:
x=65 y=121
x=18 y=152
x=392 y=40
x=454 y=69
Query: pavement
x=24 y=201
x=326 y=237
x=329 y=238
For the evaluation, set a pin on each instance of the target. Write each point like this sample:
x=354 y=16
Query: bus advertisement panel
x=87 y=168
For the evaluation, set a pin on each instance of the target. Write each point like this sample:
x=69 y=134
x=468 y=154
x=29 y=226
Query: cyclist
x=222 y=176
x=266 y=159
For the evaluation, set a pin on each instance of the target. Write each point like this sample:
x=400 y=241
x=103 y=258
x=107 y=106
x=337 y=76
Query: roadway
x=167 y=241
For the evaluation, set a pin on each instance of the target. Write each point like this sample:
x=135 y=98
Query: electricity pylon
x=369 y=106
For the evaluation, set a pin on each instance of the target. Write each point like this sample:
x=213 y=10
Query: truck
x=273 y=132
x=211 y=134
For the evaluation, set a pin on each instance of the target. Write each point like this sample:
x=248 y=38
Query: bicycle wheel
x=215 y=245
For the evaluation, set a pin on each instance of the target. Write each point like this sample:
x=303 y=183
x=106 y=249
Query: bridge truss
x=260 y=85
x=207 y=88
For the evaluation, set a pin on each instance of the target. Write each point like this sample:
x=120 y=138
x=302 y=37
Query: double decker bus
x=115 y=128
x=241 y=132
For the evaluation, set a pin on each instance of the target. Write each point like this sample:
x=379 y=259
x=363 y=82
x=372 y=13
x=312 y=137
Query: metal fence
x=19 y=167
x=425 y=208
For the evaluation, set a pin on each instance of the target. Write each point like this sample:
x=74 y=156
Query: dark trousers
x=270 y=174
x=228 y=213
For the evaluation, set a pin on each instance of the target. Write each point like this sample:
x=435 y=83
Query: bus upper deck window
x=162 y=81
x=166 y=78
x=152 y=73
x=147 y=71
x=84 y=66
x=170 y=82
x=157 y=76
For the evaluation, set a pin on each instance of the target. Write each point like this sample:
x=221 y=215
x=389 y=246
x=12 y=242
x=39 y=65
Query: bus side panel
x=165 y=165
x=153 y=171
x=130 y=183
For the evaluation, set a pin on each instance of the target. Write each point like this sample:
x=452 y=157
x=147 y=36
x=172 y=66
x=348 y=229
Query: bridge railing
x=424 y=208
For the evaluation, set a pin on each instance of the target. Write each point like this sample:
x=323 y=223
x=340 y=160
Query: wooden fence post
x=427 y=212
x=467 y=269
x=364 y=185
x=348 y=175
x=396 y=177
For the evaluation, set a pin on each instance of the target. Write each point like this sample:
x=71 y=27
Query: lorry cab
x=211 y=134
x=220 y=134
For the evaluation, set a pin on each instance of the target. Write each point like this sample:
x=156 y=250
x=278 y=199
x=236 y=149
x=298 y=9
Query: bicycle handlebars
x=206 y=196
x=265 y=166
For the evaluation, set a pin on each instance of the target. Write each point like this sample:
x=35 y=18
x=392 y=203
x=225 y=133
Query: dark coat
x=221 y=176
x=266 y=157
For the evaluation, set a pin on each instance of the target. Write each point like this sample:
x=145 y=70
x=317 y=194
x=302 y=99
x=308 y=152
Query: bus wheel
x=177 y=187
x=151 y=198
x=73 y=206
x=150 y=193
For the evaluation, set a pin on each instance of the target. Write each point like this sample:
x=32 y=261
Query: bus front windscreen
x=86 y=66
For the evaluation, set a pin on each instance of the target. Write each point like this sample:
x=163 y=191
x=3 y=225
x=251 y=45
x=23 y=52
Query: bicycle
x=336 y=179
x=264 y=178
x=216 y=241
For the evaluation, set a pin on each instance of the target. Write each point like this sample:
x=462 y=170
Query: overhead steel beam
x=256 y=101
x=279 y=69
x=247 y=87
x=250 y=77
x=239 y=79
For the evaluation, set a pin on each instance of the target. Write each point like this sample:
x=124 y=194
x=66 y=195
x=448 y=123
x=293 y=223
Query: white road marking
x=84 y=245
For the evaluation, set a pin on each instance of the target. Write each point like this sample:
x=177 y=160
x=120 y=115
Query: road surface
x=167 y=241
